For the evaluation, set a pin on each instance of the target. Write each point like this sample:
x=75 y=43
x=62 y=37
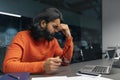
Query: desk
x=73 y=68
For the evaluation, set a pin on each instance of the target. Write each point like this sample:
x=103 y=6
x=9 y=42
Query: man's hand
x=52 y=64
x=65 y=29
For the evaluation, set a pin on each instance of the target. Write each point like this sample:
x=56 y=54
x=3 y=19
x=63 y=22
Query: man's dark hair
x=48 y=15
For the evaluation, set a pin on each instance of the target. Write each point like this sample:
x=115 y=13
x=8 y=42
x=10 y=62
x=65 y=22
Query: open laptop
x=103 y=68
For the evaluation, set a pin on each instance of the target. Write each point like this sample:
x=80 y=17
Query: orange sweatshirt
x=26 y=55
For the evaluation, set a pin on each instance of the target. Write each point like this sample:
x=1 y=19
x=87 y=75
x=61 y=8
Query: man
x=37 y=50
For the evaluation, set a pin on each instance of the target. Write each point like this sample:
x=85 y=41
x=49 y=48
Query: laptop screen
x=111 y=53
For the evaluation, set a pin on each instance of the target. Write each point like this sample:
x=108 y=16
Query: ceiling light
x=9 y=14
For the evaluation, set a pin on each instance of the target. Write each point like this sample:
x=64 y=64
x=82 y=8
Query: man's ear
x=43 y=23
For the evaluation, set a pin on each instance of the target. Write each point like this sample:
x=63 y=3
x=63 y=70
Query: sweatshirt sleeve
x=13 y=59
x=67 y=52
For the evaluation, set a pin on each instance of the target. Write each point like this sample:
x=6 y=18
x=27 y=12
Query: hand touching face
x=65 y=30
x=55 y=26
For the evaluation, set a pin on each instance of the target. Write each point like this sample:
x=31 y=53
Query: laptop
x=104 y=68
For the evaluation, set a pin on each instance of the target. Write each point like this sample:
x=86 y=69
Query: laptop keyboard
x=99 y=69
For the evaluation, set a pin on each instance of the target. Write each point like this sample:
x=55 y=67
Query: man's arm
x=67 y=52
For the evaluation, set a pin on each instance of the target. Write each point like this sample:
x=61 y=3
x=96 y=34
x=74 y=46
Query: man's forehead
x=57 y=22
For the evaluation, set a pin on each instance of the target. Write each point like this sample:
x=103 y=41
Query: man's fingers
x=56 y=60
x=54 y=67
x=52 y=64
x=55 y=63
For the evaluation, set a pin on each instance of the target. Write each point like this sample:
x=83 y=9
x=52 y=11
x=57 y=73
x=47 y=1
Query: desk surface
x=73 y=68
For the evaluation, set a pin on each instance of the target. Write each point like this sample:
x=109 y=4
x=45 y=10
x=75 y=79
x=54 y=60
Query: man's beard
x=47 y=34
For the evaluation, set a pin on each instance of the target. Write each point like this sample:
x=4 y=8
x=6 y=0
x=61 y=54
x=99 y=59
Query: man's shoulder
x=23 y=34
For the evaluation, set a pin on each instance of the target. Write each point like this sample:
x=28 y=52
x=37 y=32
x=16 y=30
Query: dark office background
x=84 y=20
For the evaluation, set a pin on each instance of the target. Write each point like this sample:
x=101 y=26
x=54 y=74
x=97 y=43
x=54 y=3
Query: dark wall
x=9 y=26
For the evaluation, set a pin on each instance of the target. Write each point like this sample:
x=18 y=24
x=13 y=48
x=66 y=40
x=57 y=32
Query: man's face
x=51 y=28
